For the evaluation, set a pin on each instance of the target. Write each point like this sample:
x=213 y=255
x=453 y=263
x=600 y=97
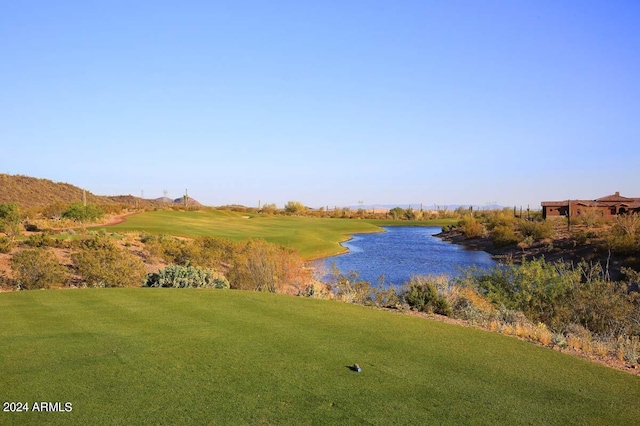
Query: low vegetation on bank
x=503 y=229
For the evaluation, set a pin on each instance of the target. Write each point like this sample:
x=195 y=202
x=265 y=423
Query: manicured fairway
x=175 y=356
x=311 y=237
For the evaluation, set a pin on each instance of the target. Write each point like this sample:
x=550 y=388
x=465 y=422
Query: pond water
x=401 y=252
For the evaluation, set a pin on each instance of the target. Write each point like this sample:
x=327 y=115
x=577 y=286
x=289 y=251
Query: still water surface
x=402 y=252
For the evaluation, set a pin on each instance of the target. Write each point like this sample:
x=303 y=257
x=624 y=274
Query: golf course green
x=188 y=356
x=311 y=237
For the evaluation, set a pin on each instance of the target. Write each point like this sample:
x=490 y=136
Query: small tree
x=294 y=207
x=397 y=213
x=10 y=219
x=36 y=269
x=270 y=208
x=81 y=213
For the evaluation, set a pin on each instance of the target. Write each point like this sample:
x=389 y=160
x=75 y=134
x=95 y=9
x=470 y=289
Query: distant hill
x=33 y=192
x=30 y=192
x=177 y=201
x=417 y=206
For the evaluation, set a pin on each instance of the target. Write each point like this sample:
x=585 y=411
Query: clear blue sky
x=324 y=102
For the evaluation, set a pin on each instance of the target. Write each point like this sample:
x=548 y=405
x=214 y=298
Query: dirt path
x=115 y=220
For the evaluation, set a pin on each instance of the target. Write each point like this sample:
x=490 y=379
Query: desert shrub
x=471 y=227
x=271 y=208
x=590 y=217
x=560 y=340
x=494 y=218
x=600 y=305
x=624 y=236
x=629 y=349
x=536 y=288
x=294 y=207
x=503 y=235
x=384 y=294
x=10 y=219
x=470 y=305
x=350 y=288
x=81 y=213
x=212 y=252
x=170 y=249
x=262 y=266
x=177 y=276
x=511 y=316
x=35 y=269
x=538 y=230
x=40 y=240
x=421 y=294
x=102 y=264
x=385 y=297
x=5 y=244
x=397 y=213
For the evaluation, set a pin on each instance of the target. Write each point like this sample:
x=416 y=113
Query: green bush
x=10 y=219
x=420 y=293
x=471 y=227
x=102 y=264
x=496 y=218
x=35 y=269
x=177 y=276
x=81 y=213
x=503 y=235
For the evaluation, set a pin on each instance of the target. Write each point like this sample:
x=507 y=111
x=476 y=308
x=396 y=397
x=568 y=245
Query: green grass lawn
x=182 y=356
x=310 y=237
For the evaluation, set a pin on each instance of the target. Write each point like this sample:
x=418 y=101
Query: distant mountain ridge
x=28 y=192
x=178 y=201
x=418 y=206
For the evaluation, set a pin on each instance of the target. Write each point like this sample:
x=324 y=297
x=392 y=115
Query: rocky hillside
x=30 y=192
